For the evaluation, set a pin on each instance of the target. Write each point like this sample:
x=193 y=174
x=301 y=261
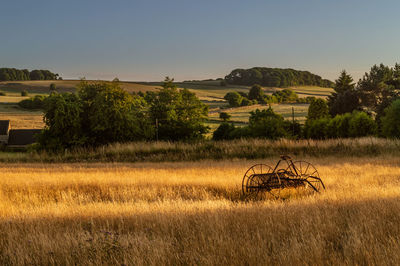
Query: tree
x=316 y=128
x=266 y=124
x=180 y=114
x=234 y=99
x=224 y=116
x=36 y=75
x=361 y=124
x=53 y=88
x=391 y=121
x=318 y=109
x=379 y=88
x=24 y=93
x=100 y=113
x=338 y=127
x=344 y=99
x=111 y=114
x=224 y=131
x=256 y=93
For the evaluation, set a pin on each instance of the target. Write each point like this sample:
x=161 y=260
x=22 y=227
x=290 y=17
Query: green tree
x=316 y=128
x=266 y=124
x=224 y=116
x=98 y=114
x=338 y=127
x=379 y=88
x=36 y=75
x=53 y=88
x=391 y=121
x=180 y=114
x=256 y=93
x=111 y=114
x=234 y=99
x=224 y=131
x=63 y=122
x=361 y=124
x=344 y=99
x=318 y=109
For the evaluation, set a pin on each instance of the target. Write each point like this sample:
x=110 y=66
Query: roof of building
x=4 y=127
x=19 y=137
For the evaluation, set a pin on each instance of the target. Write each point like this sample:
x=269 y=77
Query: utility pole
x=293 y=119
x=157 y=129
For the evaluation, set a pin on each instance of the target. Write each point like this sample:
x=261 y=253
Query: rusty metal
x=261 y=180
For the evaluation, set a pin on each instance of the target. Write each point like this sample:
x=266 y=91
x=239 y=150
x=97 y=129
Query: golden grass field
x=192 y=213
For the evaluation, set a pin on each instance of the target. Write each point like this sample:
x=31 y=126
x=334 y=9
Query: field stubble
x=192 y=213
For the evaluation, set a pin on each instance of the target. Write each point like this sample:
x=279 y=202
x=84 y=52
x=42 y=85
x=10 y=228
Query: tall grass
x=215 y=150
x=191 y=213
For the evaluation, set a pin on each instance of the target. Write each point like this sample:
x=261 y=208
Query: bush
x=33 y=103
x=256 y=93
x=2 y=93
x=318 y=109
x=224 y=131
x=224 y=116
x=24 y=93
x=391 y=121
x=361 y=124
x=316 y=128
x=99 y=114
x=234 y=99
x=338 y=127
x=246 y=102
x=266 y=124
x=285 y=96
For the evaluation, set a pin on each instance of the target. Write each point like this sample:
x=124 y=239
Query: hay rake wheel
x=261 y=181
x=257 y=180
x=309 y=174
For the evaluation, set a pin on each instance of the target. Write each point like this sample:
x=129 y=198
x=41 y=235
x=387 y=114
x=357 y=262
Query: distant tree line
x=12 y=74
x=256 y=95
x=275 y=77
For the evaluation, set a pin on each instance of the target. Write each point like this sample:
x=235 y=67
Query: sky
x=197 y=39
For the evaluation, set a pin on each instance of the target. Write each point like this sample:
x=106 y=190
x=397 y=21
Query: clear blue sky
x=197 y=39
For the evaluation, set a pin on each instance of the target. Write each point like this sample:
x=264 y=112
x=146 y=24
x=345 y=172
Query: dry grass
x=24 y=120
x=191 y=213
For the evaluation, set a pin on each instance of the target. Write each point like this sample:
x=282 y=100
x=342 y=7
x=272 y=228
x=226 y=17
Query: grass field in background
x=210 y=92
x=192 y=213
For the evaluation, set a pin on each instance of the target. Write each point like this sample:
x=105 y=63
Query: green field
x=209 y=92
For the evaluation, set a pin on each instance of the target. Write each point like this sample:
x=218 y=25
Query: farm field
x=241 y=114
x=192 y=213
x=208 y=91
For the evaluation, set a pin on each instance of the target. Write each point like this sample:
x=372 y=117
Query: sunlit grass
x=193 y=213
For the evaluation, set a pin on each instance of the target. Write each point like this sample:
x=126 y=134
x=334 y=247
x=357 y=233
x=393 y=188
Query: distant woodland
x=12 y=74
x=276 y=77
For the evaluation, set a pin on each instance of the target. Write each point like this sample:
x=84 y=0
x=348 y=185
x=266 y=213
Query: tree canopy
x=344 y=99
x=275 y=77
x=12 y=74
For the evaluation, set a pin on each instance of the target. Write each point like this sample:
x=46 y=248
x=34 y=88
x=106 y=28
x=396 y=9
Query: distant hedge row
x=13 y=74
x=275 y=77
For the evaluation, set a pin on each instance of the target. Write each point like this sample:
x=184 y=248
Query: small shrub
x=391 y=121
x=36 y=102
x=224 y=116
x=316 y=128
x=24 y=93
x=361 y=124
x=224 y=131
x=2 y=93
